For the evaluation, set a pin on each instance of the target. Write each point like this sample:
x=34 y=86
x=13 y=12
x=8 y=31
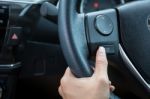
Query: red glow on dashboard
x=96 y=5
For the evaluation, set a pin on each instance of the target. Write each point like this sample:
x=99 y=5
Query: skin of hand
x=97 y=86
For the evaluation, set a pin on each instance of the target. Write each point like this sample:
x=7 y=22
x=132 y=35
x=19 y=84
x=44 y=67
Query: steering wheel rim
x=71 y=22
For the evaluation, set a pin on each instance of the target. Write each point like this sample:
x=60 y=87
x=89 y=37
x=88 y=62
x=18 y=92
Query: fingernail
x=101 y=49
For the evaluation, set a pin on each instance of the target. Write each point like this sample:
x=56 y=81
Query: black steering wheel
x=124 y=32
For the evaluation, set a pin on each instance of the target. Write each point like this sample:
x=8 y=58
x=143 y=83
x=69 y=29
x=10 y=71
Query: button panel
x=14 y=36
x=110 y=49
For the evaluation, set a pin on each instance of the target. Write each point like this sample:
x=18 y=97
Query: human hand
x=96 y=87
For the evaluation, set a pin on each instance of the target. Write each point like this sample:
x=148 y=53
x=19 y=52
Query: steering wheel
x=124 y=32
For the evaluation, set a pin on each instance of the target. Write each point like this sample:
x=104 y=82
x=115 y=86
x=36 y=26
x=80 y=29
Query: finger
x=60 y=91
x=112 y=88
x=101 y=62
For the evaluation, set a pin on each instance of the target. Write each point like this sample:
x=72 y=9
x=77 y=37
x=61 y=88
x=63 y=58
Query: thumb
x=101 y=62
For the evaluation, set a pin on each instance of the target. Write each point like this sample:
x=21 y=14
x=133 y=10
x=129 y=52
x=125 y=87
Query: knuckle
x=103 y=80
x=63 y=81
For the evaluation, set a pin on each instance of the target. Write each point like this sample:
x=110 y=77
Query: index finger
x=101 y=63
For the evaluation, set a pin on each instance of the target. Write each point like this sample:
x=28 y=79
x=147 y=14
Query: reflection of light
x=24 y=1
x=96 y=5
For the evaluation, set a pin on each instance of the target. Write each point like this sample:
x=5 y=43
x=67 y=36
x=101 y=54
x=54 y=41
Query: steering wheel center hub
x=135 y=35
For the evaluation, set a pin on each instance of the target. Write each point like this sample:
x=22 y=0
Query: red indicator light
x=96 y=5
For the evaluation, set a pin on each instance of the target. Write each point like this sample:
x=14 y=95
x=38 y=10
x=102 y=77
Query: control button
x=110 y=49
x=14 y=36
x=104 y=25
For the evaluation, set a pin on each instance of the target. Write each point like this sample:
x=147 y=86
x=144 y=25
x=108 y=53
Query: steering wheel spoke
x=102 y=30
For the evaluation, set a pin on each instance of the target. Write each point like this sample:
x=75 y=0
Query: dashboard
x=85 y=6
x=95 y=5
x=19 y=20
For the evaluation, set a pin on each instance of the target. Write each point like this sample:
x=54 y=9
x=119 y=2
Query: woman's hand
x=96 y=87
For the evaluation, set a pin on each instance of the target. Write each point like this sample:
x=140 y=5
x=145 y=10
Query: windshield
x=24 y=1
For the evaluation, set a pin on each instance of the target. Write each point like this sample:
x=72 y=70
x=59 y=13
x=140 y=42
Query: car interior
x=39 y=39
